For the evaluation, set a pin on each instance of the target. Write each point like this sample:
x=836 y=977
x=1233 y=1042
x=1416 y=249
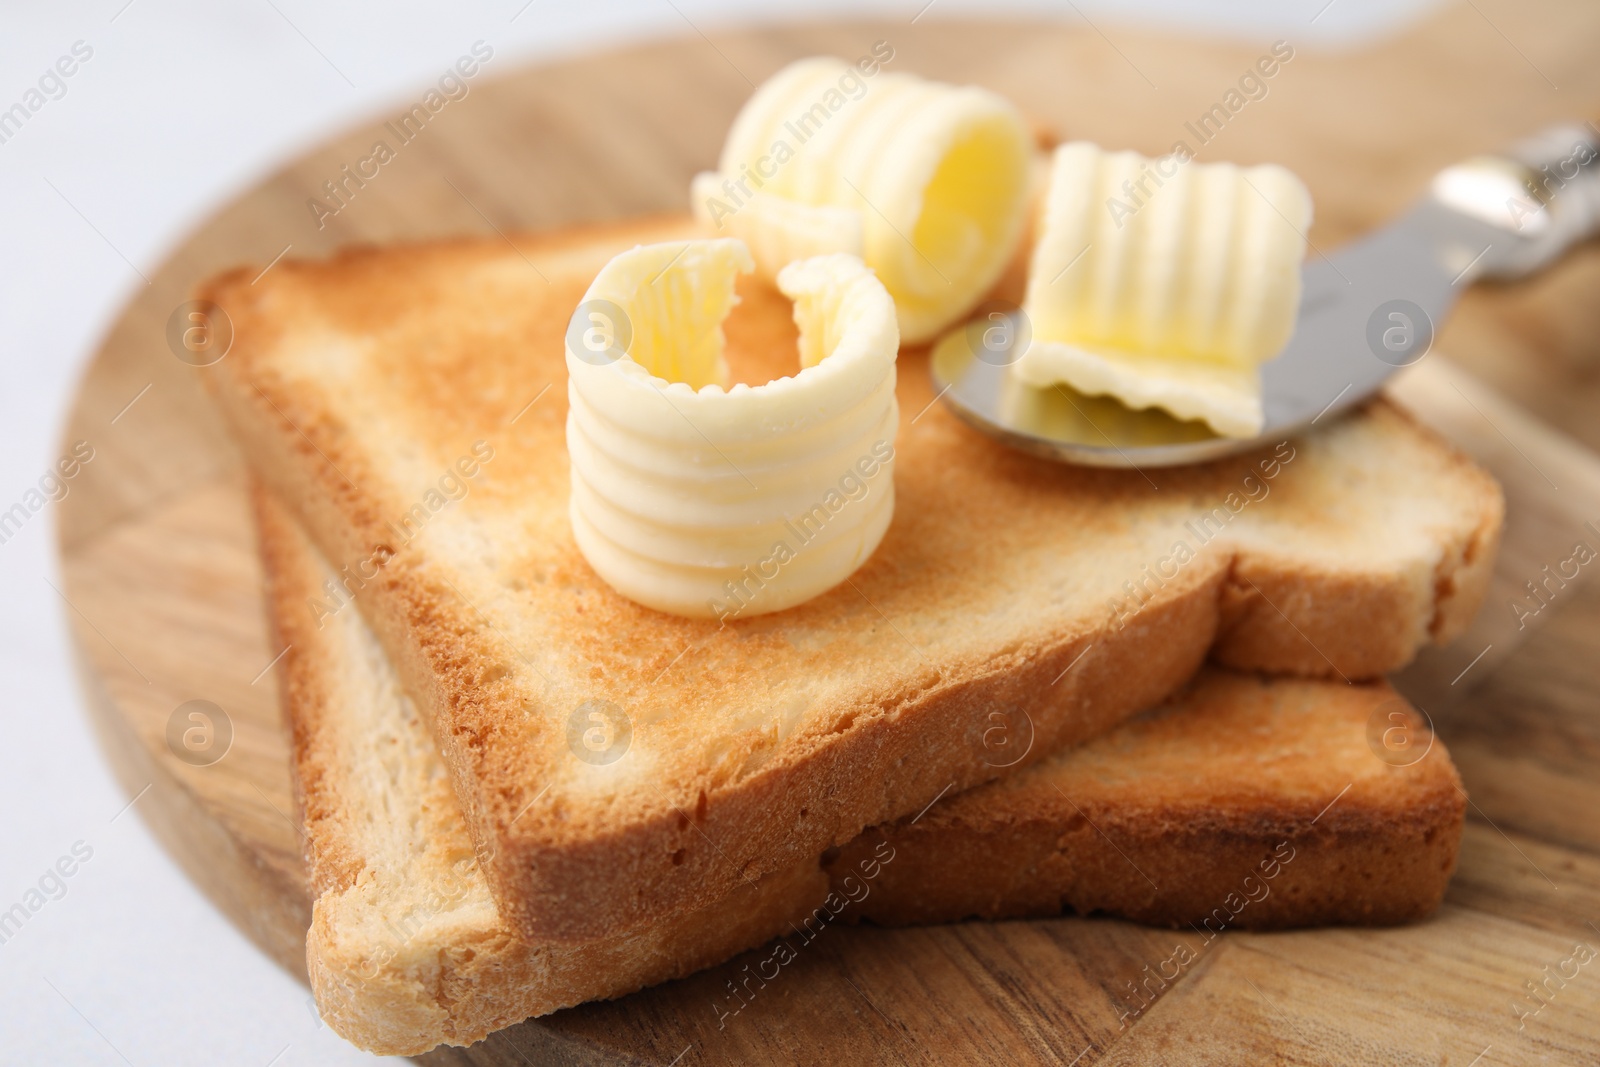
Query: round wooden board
x=164 y=584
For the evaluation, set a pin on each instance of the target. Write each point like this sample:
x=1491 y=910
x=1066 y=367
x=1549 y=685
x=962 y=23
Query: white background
x=183 y=105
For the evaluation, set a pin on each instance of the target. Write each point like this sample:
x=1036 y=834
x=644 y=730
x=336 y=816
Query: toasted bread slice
x=406 y=948
x=1244 y=803
x=409 y=407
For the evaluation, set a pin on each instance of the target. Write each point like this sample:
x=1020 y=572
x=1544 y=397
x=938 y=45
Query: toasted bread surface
x=409 y=406
x=1244 y=803
x=406 y=949
x=1223 y=809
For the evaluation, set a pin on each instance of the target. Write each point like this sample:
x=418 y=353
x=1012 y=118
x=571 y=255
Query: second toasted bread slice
x=409 y=406
x=1244 y=803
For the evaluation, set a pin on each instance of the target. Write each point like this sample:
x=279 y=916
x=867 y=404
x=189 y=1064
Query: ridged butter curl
x=709 y=501
x=1164 y=282
x=926 y=182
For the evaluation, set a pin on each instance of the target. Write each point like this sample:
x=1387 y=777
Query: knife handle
x=1543 y=192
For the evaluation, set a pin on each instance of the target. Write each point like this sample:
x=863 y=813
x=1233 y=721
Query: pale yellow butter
x=701 y=500
x=1165 y=283
x=926 y=182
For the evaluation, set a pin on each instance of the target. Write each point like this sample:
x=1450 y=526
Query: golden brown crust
x=1324 y=606
x=1245 y=803
x=353 y=383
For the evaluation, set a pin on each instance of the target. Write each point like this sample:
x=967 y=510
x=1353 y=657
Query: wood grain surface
x=164 y=586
